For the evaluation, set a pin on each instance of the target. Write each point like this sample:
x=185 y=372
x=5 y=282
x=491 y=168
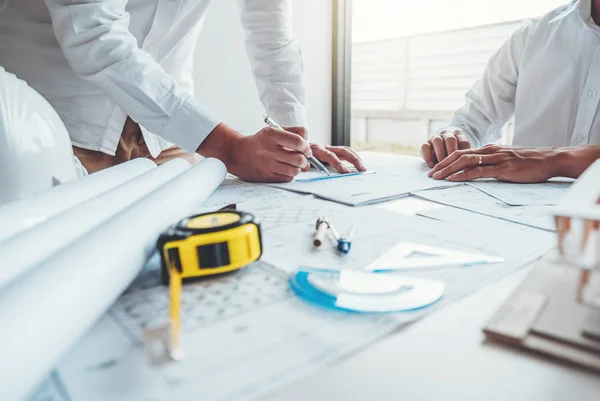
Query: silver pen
x=312 y=160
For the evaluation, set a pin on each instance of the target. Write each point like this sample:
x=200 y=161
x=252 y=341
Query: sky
x=384 y=19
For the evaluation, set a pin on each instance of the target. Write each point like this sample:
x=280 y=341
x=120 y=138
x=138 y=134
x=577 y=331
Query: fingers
x=346 y=153
x=451 y=142
x=302 y=131
x=439 y=147
x=442 y=145
x=489 y=149
x=462 y=141
x=289 y=140
x=330 y=158
x=427 y=154
x=291 y=158
x=449 y=160
x=467 y=161
x=474 y=173
x=285 y=170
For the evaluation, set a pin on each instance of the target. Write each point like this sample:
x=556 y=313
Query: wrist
x=222 y=143
x=570 y=162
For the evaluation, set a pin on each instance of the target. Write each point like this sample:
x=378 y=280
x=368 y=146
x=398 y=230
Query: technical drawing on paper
x=246 y=326
x=480 y=202
x=362 y=190
x=542 y=194
x=236 y=191
x=249 y=327
x=203 y=303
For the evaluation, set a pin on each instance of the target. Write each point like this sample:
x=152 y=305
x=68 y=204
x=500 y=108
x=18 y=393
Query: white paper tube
x=43 y=313
x=22 y=252
x=18 y=216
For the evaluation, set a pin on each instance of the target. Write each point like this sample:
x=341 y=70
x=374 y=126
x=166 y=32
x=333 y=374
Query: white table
x=445 y=357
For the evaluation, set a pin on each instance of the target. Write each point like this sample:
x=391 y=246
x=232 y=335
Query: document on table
x=246 y=334
x=366 y=189
x=469 y=198
x=315 y=175
x=235 y=191
x=243 y=335
x=397 y=165
x=542 y=194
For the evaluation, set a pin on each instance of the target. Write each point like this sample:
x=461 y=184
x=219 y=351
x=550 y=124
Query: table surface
x=445 y=357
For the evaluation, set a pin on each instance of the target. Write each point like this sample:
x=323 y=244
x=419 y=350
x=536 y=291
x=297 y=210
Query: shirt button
x=579 y=138
x=592 y=93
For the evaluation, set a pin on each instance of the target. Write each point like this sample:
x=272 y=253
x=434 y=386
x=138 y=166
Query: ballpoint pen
x=312 y=160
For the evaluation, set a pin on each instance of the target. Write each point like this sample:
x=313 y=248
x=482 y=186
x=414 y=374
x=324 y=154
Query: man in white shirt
x=119 y=73
x=547 y=75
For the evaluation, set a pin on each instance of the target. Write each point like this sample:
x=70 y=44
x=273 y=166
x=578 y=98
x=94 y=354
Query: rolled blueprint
x=24 y=251
x=43 y=313
x=18 y=216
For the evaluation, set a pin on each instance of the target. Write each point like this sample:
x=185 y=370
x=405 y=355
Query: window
x=412 y=63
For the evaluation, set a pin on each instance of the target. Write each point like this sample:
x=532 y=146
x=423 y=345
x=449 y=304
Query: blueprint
x=246 y=334
x=233 y=190
x=469 y=198
x=543 y=194
x=243 y=336
x=364 y=189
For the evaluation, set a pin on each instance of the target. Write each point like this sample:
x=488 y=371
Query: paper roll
x=43 y=313
x=19 y=216
x=46 y=238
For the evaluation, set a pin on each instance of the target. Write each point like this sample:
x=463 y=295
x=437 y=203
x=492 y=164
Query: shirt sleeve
x=276 y=59
x=491 y=101
x=95 y=38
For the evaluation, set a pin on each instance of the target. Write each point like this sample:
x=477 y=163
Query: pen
x=312 y=160
x=322 y=226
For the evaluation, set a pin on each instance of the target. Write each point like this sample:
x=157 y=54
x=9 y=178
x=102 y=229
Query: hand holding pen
x=312 y=160
x=332 y=155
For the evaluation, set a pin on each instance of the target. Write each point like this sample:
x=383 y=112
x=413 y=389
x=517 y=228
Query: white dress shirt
x=99 y=61
x=547 y=75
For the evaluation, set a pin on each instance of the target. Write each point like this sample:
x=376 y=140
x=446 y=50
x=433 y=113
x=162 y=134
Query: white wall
x=222 y=73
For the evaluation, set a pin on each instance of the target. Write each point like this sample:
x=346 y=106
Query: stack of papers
x=472 y=199
x=397 y=180
x=543 y=194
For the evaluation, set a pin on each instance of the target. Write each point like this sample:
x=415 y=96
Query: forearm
x=572 y=161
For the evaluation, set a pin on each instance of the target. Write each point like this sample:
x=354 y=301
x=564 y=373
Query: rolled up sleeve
x=276 y=59
x=490 y=103
x=95 y=38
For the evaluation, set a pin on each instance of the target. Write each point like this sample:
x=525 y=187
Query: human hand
x=443 y=144
x=271 y=155
x=332 y=155
x=504 y=163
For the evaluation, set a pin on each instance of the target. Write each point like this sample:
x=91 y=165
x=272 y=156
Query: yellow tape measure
x=200 y=246
x=210 y=244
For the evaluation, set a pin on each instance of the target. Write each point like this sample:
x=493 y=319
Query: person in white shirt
x=546 y=76
x=119 y=74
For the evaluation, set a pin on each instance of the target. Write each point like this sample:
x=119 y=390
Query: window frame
x=341 y=73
